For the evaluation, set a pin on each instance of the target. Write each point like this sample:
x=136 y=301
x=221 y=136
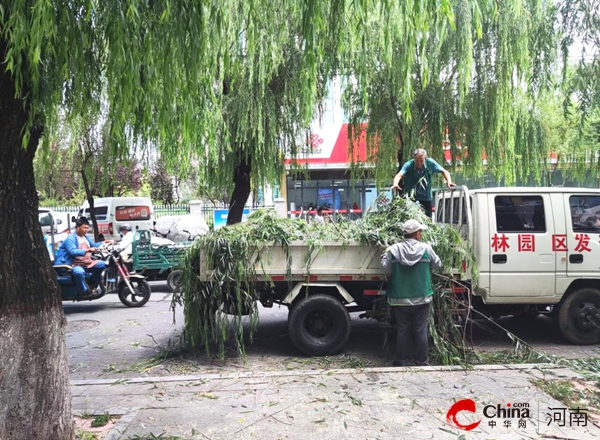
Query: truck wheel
x=173 y=280
x=140 y=295
x=319 y=325
x=579 y=317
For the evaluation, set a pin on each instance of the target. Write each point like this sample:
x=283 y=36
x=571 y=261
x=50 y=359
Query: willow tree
x=580 y=50
x=155 y=72
x=474 y=84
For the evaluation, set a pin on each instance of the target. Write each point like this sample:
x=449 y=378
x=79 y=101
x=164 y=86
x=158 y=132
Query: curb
x=216 y=376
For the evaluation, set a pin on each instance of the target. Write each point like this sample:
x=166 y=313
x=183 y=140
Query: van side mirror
x=73 y=219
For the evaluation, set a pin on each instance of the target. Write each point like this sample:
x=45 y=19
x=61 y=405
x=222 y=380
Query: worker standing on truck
x=418 y=174
x=409 y=292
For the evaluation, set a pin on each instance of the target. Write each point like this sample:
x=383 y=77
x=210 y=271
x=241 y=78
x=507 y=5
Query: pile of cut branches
x=234 y=253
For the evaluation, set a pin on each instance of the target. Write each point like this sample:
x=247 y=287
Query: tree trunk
x=90 y=198
x=35 y=398
x=241 y=190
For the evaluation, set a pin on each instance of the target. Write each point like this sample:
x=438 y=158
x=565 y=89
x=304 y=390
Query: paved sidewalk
x=375 y=403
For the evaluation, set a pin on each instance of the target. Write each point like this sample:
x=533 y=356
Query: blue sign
x=220 y=217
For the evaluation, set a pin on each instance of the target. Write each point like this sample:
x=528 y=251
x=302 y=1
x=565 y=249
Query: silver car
x=48 y=221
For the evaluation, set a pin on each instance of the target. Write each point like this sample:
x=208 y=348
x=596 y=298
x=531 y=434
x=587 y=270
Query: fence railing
x=161 y=210
x=63 y=208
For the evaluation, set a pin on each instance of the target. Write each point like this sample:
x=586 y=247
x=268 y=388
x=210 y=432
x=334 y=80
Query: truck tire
x=579 y=317
x=319 y=325
x=173 y=280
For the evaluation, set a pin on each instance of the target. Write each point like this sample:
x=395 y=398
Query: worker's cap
x=411 y=226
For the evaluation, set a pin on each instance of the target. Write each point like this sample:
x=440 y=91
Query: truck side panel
x=522 y=260
x=336 y=261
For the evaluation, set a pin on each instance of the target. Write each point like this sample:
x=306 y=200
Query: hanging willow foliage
x=474 y=85
x=236 y=251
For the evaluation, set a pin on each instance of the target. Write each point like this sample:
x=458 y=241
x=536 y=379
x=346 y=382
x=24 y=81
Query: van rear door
x=139 y=216
x=522 y=259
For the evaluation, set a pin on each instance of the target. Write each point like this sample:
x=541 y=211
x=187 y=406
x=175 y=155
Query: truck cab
x=536 y=250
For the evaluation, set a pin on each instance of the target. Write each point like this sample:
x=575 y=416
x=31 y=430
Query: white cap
x=411 y=226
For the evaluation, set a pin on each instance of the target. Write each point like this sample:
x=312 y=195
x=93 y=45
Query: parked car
x=48 y=220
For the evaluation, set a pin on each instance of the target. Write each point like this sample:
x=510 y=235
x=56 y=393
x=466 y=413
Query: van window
x=44 y=218
x=101 y=213
x=132 y=213
x=585 y=213
x=520 y=214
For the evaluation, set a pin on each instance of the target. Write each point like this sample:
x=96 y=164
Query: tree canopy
x=476 y=86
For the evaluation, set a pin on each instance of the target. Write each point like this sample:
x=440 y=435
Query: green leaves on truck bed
x=233 y=257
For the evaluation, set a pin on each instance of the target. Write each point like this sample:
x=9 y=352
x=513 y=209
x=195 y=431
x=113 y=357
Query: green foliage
x=243 y=77
x=58 y=168
x=100 y=420
x=580 y=49
x=470 y=86
x=81 y=434
x=161 y=184
x=234 y=252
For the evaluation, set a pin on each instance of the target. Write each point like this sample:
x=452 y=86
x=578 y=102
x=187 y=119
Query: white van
x=537 y=250
x=112 y=212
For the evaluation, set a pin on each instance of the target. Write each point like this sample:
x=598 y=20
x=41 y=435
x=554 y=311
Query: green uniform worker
x=409 y=291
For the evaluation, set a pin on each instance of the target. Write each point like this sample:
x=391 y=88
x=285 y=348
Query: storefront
x=339 y=196
x=325 y=180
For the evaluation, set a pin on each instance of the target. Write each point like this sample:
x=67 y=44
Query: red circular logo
x=462 y=405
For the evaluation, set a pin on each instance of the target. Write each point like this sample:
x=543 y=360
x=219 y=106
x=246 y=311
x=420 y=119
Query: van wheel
x=319 y=325
x=579 y=317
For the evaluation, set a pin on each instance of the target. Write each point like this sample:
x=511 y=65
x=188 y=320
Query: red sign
x=124 y=213
x=500 y=242
x=103 y=228
x=526 y=243
x=583 y=240
x=559 y=242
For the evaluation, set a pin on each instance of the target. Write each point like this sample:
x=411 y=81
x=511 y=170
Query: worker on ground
x=409 y=292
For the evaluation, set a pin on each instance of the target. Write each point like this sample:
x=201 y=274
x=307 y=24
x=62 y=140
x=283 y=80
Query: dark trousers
x=427 y=207
x=418 y=318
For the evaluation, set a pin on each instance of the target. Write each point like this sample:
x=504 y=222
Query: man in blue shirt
x=76 y=251
x=418 y=174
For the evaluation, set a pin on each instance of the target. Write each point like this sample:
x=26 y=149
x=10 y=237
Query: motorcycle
x=133 y=289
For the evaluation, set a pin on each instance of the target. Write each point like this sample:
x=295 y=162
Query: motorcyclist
x=76 y=251
x=126 y=243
